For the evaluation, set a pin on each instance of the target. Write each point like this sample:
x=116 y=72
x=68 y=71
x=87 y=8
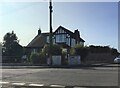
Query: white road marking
x=79 y=87
x=36 y=84
x=60 y=86
x=4 y=82
x=21 y=84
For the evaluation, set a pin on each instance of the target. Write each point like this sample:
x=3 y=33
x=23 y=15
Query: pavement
x=58 y=66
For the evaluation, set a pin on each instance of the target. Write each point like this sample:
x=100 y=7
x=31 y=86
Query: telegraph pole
x=50 y=36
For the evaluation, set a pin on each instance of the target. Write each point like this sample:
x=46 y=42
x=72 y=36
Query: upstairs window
x=73 y=42
x=61 y=38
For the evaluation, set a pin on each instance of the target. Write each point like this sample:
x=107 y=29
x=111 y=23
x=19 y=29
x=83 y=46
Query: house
x=61 y=36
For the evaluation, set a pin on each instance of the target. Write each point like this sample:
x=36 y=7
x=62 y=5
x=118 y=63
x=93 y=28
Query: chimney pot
x=39 y=31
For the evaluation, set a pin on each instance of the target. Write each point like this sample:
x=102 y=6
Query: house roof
x=82 y=40
x=73 y=35
x=67 y=31
x=38 y=41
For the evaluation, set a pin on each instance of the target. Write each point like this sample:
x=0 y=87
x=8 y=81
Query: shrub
x=64 y=57
x=115 y=52
x=54 y=50
x=99 y=49
x=79 y=50
x=34 y=58
x=72 y=51
x=43 y=58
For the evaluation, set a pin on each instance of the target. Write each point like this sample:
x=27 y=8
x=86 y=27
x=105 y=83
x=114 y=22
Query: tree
x=12 y=49
x=79 y=50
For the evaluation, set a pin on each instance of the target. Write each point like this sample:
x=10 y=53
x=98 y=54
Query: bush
x=99 y=49
x=72 y=51
x=54 y=50
x=34 y=58
x=115 y=52
x=79 y=50
x=43 y=58
x=64 y=58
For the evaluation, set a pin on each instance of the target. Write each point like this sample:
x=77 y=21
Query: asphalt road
x=88 y=76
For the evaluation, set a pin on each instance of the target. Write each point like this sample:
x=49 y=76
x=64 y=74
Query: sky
x=96 y=21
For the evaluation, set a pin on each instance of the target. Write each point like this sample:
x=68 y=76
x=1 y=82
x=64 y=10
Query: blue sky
x=96 y=21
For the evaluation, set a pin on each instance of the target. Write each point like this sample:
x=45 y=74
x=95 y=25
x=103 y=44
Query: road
x=88 y=76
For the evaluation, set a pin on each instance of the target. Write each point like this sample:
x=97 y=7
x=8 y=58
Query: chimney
x=39 y=31
x=77 y=34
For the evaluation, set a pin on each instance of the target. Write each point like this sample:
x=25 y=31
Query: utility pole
x=50 y=36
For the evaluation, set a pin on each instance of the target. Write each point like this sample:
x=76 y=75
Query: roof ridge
x=65 y=29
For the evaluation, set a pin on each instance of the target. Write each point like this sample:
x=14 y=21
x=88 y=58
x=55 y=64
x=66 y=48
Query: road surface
x=88 y=76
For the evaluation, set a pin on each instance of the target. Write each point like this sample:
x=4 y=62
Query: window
x=53 y=39
x=61 y=38
x=72 y=42
x=48 y=39
x=68 y=41
x=34 y=51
